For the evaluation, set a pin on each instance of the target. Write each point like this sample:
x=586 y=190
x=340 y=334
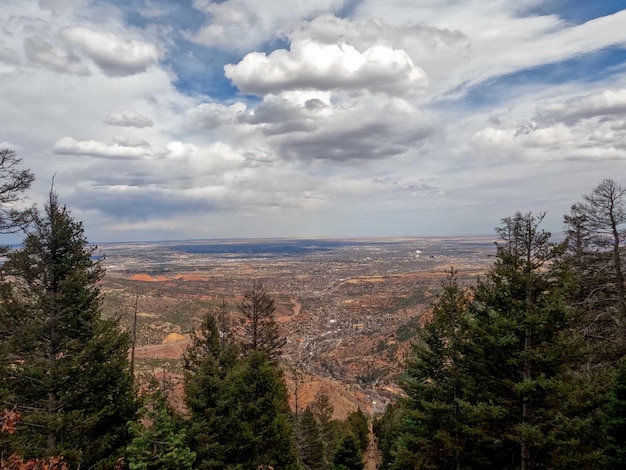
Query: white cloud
x=8 y=55
x=310 y=65
x=557 y=141
x=114 y=55
x=244 y=24
x=335 y=143
x=128 y=118
x=126 y=141
x=601 y=103
x=433 y=49
x=41 y=52
x=59 y=6
x=213 y=115
x=93 y=148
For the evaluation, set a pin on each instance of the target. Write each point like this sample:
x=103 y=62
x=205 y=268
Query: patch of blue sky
x=576 y=11
x=348 y=8
x=200 y=70
x=180 y=14
x=588 y=68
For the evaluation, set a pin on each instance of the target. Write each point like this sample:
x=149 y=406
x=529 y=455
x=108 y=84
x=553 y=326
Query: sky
x=193 y=119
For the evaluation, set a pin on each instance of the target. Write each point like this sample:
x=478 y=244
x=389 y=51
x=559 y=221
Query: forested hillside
x=524 y=369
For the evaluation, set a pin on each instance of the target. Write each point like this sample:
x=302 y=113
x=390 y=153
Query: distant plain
x=350 y=308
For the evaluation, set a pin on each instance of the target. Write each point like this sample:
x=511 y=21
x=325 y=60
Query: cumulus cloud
x=367 y=128
x=433 y=48
x=114 y=55
x=310 y=65
x=94 y=148
x=213 y=115
x=128 y=118
x=290 y=111
x=41 y=52
x=244 y=24
x=126 y=141
x=337 y=141
x=572 y=110
x=555 y=142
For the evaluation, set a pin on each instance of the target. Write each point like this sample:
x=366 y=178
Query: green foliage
x=408 y=330
x=433 y=384
x=239 y=408
x=207 y=364
x=158 y=442
x=496 y=375
x=348 y=455
x=356 y=424
x=616 y=419
x=595 y=253
x=323 y=411
x=63 y=365
x=309 y=441
x=261 y=329
x=388 y=429
x=13 y=182
x=259 y=425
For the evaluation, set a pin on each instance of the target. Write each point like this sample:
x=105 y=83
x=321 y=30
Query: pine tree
x=517 y=358
x=309 y=441
x=323 y=411
x=615 y=422
x=596 y=230
x=357 y=425
x=13 y=182
x=158 y=442
x=207 y=364
x=432 y=425
x=348 y=455
x=494 y=382
x=261 y=329
x=239 y=410
x=256 y=429
x=64 y=366
x=388 y=429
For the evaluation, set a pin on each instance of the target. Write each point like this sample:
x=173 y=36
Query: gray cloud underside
x=128 y=118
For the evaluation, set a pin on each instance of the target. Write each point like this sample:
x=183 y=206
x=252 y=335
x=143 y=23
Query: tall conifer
x=65 y=367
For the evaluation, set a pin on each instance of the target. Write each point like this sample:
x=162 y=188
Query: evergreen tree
x=207 y=364
x=388 y=429
x=616 y=419
x=63 y=365
x=257 y=426
x=596 y=234
x=239 y=410
x=323 y=411
x=348 y=455
x=309 y=442
x=493 y=382
x=356 y=424
x=517 y=356
x=13 y=182
x=158 y=442
x=261 y=329
x=432 y=424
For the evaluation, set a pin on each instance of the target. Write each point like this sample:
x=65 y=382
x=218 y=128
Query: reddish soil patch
x=148 y=278
x=343 y=399
x=171 y=350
